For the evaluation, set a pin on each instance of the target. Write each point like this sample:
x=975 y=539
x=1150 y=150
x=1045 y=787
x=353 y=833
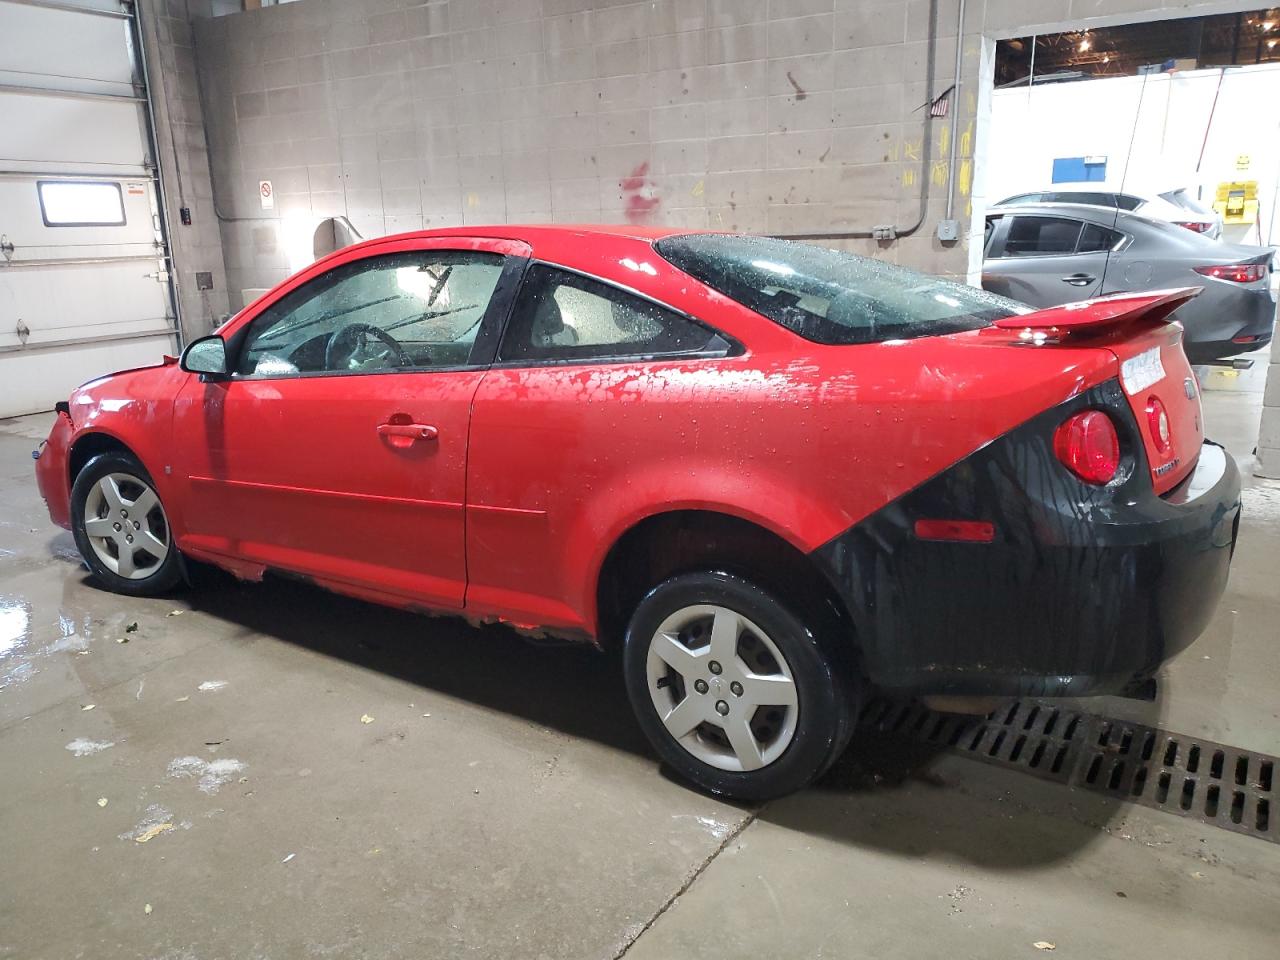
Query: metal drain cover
x=1210 y=782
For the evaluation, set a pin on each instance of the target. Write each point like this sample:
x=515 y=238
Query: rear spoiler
x=1103 y=315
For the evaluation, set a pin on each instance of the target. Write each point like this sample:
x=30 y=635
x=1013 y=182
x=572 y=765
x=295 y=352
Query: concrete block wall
x=777 y=116
x=772 y=116
x=184 y=159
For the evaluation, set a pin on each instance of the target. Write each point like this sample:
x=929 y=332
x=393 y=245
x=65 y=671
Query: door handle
x=1079 y=279
x=405 y=434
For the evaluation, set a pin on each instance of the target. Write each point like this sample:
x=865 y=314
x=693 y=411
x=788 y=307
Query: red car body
x=533 y=474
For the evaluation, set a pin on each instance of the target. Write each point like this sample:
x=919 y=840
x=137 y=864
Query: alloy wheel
x=722 y=688
x=126 y=526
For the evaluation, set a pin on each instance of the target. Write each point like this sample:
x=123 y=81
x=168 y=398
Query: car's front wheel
x=121 y=528
x=733 y=689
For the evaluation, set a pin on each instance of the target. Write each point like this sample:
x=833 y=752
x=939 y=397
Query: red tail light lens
x=1235 y=272
x=1158 y=423
x=1088 y=446
x=1199 y=226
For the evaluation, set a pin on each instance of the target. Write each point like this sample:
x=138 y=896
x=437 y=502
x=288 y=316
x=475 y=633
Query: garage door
x=84 y=282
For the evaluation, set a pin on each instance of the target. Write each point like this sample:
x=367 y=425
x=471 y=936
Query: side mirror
x=207 y=356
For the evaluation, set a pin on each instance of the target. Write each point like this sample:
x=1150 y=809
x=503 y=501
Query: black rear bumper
x=1083 y=591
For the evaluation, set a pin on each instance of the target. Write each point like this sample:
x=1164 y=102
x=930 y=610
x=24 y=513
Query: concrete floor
x=502 y=803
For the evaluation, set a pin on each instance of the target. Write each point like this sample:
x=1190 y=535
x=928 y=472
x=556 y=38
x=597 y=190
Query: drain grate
x=1210 y=782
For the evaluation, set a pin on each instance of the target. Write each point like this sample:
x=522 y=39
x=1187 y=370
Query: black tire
x=157 y=581
x=826 y=696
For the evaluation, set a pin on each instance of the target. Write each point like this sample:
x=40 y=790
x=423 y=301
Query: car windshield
x=829 y=296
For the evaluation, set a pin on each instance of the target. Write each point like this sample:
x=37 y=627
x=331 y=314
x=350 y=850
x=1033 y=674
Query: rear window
x=1183 y=199
x=829 y=296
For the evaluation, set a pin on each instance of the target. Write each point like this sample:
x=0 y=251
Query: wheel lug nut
x=700 y=686
x=116 y=525
x=136 y=525
x=722 y=708
x=128 y=538
x=735 y=688
x=714 y=667
x=124 y=514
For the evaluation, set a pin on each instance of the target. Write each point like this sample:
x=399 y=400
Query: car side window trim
x=483 y=349
x=722 y=345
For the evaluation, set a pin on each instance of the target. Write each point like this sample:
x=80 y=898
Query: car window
x=1091 y=198
x=404 y=311
x=565 y=316
x=1182 y=198
x=830 y=296
x=1041 y=236
x=1021 y=198
x=1127 y=201
x=1098 y=239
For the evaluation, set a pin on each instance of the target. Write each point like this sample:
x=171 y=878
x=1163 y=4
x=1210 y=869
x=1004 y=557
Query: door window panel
x=1096 y=239
x=1041 y=236
x=563 y=316
x=404 y=311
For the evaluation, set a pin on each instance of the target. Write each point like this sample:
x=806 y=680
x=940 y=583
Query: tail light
x=1199 y=226
x=1158 y=424
x=1235 y=272
x=1088 y=446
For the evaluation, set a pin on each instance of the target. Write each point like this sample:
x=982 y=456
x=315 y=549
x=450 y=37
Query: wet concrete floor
x=209 y=788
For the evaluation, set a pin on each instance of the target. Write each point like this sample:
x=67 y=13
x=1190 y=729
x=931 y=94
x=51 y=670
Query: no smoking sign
x=266 y=194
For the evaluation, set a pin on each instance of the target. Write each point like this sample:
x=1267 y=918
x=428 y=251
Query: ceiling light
x=1084 y=44
x=1267 y=25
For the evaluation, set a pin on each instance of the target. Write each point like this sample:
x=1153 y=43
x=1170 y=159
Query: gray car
x=1046 y=254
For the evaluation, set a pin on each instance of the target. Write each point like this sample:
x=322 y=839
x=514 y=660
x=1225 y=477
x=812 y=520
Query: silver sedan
x=1046 y=254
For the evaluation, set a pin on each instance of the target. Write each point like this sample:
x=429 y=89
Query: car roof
x=1082 y=211
x=531 y=232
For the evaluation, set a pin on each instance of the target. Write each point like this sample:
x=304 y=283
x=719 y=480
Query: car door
x=337 y=446
x=573 y=399
x=1047 y=260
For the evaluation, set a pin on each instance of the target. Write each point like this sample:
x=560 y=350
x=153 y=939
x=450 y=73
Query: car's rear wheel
x=733 y=689
x=121 y=527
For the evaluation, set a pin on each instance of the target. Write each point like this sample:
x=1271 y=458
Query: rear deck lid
x=1162 y=390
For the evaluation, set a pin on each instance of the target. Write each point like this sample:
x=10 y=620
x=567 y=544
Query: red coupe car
x=781 y=476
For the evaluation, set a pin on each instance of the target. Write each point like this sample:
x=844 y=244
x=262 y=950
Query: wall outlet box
x=948 y=230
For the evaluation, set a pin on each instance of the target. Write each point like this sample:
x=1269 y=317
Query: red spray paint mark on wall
x=640 y=193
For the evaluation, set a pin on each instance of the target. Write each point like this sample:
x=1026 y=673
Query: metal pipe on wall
x=955 y=114
x=926 y=150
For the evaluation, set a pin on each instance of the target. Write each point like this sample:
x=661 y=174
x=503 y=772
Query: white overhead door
x=84 y=282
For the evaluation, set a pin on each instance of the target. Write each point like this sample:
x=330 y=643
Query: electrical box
x=948 y=230
x=1237 y=201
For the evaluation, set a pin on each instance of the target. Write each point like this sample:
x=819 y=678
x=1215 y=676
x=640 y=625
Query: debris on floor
x=209 y=774
x=365 y=718
x=175 y=613
x=103 y=801
x=147 y=909
x=88 y=706
x=131 y=627
x=288 y=858
x=211 y=685
x=82 y=747
x=156 y=821
x=1045 y=945
x=152 y=832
